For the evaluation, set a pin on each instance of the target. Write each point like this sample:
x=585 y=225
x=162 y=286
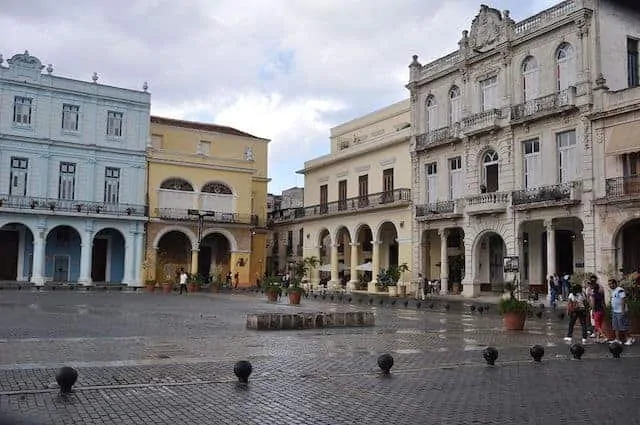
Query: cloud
x=287 y=70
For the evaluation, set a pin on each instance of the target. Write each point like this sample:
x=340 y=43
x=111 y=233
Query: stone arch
x=14 y=265
x=108 y=254
x=71 y=225
x=107 y=227
x=484 y=232
x=529 y=64
x=339 y=230
x=378 y=228
x=184 y=230
x=8 y=222
x=178 y=183
x=358 y=228
x=321 y=235
x=620 y=227
x=218 y=187
x=233 y=243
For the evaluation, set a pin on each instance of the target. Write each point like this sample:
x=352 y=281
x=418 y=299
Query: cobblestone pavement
x=168 y=359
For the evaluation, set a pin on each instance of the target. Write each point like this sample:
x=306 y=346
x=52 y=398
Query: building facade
x=357 y=200
x=285 y=245
x=207 y=201
x=72 y=177
x=503 y=157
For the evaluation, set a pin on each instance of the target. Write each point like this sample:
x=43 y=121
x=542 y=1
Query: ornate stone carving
x=486 y=29
x=582 y=27
x=25 y=60
x=586 y=131
x=248 y=154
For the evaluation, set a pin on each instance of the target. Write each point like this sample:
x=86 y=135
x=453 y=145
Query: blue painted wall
x=117 y=258
x=70 y=247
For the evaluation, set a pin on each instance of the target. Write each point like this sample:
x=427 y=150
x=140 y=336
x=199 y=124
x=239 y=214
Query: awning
x=324 y=268
x=622 y=138
x=366 y=267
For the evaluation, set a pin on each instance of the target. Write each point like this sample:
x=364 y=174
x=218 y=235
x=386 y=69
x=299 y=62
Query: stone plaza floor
x=168 y=359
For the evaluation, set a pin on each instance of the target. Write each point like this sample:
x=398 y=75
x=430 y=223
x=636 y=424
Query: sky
x=285 y=70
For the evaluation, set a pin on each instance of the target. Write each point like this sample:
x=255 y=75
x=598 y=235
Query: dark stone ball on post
x=537 y=352
x=616 y=349
x=577 y=350
x=539 y=314
x=472 y=308
x=480 y=309
x=490 y=355
x=242 y=370
x=66 y=378
x=447 y=307
x=385 y=363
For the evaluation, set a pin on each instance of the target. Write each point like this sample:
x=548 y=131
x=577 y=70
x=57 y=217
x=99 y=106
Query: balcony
x=547 y=196
x=542 y=107
x=206 y=216
x=481 y=123
x=438 y=137
x=360 y=203
x=437 y=211
x=621 y=189
x=75 y=207
x=488 y=203
x=283 y=216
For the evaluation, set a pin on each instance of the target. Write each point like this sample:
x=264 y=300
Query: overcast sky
x=287 y=70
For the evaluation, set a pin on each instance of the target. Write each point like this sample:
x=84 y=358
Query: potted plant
x=167 y=287
x=300 y=270
x=216 y=282
x=513 y=310
x=195 y=281
x=150 y=284
x=388 y=278
x=79 y=207
x=272 y=288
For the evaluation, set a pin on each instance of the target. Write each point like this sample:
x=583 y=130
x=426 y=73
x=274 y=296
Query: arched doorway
x=364 y=238
x=490 y=252
x=388 y=237
x=627 y=247
x=16 y=252
x=214 y=258
x=174 y=253
x=343 y=241
x=490 y=175
x=455 y=252
x=62 y=254
x=107 y=256
x=324 y=242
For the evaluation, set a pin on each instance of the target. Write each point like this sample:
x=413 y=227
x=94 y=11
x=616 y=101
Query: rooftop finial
x=94 y=77
x=145 y=86
x=50 y=68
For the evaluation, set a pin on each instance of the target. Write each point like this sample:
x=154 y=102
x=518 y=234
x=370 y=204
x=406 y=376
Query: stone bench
x=317 y=320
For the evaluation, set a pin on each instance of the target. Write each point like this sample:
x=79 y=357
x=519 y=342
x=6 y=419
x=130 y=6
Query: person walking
x=236 y=278
x=596 y=301
x=577 y=310
x=183 y=281
x=422 y=282
x=619 y=316
x=553 y=293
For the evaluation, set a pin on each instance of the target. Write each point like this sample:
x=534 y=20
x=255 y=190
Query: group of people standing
x=589 y=303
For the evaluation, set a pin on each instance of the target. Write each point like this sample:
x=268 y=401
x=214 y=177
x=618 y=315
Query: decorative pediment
x=25 y=60
x=488 y=29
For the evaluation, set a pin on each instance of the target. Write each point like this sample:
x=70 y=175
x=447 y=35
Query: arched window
x=530 y=78
x=432 y=113
x=565 y=67
x=177 y=184
x=455 y=105
x=219 y=188
x=490 y=175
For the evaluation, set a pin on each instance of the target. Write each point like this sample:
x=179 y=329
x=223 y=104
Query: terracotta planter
x=166 y=288
x=272 y=296
x=607 y=330
x=514 y=321
x=151 y=287
x=192 y=287
x=294 y=297
x=215 y=288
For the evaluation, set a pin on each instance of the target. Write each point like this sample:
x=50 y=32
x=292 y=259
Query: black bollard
x=539 y=314
x=537 y=352
x=242 y=370
x=418 y=304
x=393 y=302
x=385 y=363
x=447 y=307
x=472 y=308
x=480 y=309
x=406 y=303
x=66 y=378
x=616 y=349
x=490 y=355
x=381 y=302
x=431 y=306
x=576 y=350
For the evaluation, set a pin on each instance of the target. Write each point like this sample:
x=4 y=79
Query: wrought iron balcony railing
x=618 y=187
x=54 y=205
x=545 y=105
x=481 y=122
x=554 y=193
x=436 y=137
x=207 y=216
x=435 y=208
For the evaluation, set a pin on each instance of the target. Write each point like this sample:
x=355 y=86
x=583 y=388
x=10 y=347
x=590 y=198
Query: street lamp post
x=200 y=217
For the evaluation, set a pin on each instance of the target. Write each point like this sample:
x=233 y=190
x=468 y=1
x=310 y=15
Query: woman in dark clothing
x=596 y=301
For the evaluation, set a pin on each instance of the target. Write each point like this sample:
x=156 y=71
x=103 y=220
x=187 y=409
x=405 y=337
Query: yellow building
x=207 y=196
x=357 y=200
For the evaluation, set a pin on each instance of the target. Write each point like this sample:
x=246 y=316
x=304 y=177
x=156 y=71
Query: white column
x=39 y=246
x=551 y=249
x=129 y=260
x=375 y=266
x=353 y=280
x=86 y=252
x=444 y=262
x=335 y=278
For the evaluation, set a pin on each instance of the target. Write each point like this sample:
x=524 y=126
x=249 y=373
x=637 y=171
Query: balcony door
x=363 y=190
x=342 y=195
x=387 y=184
x=490 y=168
x=324 y=198
x=431 y=170
x=531 y=163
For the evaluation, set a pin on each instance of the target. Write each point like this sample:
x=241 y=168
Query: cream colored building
x=503 y=157
x=357 y=214
x=286 y=241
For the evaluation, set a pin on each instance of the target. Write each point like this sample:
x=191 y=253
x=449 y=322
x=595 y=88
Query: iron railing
x=54 y=205
x=442 y=207
x=550 y=103
x=623 y=186
x=206 y=216
x=554 y=193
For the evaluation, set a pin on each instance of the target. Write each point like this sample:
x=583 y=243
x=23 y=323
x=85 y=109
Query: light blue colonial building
x=72 y=177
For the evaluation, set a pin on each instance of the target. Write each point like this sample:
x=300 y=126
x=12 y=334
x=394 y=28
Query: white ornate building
x=504 y=162
x=72 y=177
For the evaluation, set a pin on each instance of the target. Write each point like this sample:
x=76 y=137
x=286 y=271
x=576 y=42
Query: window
x=489 y=92
x=633 y=67
x=22 y=107
x=455 y=105
x=531 y=163
x=111 y=185
x=276 y=242
x=567 y=156
x=342 y=195
x=300 y=237
x=490 y=175
x=67 y=181
x=114 y=124
x=70 y=115
x=18 y=176
x=565 y=67
x=530 y=78
x=431 y=172
x=204 y=147
x=363 y=190
x=290 y=242
x=631 y=164
x=157 y=141
x=432 y=114
x=455 y=178
x=324 y=198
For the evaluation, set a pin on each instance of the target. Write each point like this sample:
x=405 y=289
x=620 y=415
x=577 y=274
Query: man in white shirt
x=183 y=281
x=577 y=310
x=619 y=317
